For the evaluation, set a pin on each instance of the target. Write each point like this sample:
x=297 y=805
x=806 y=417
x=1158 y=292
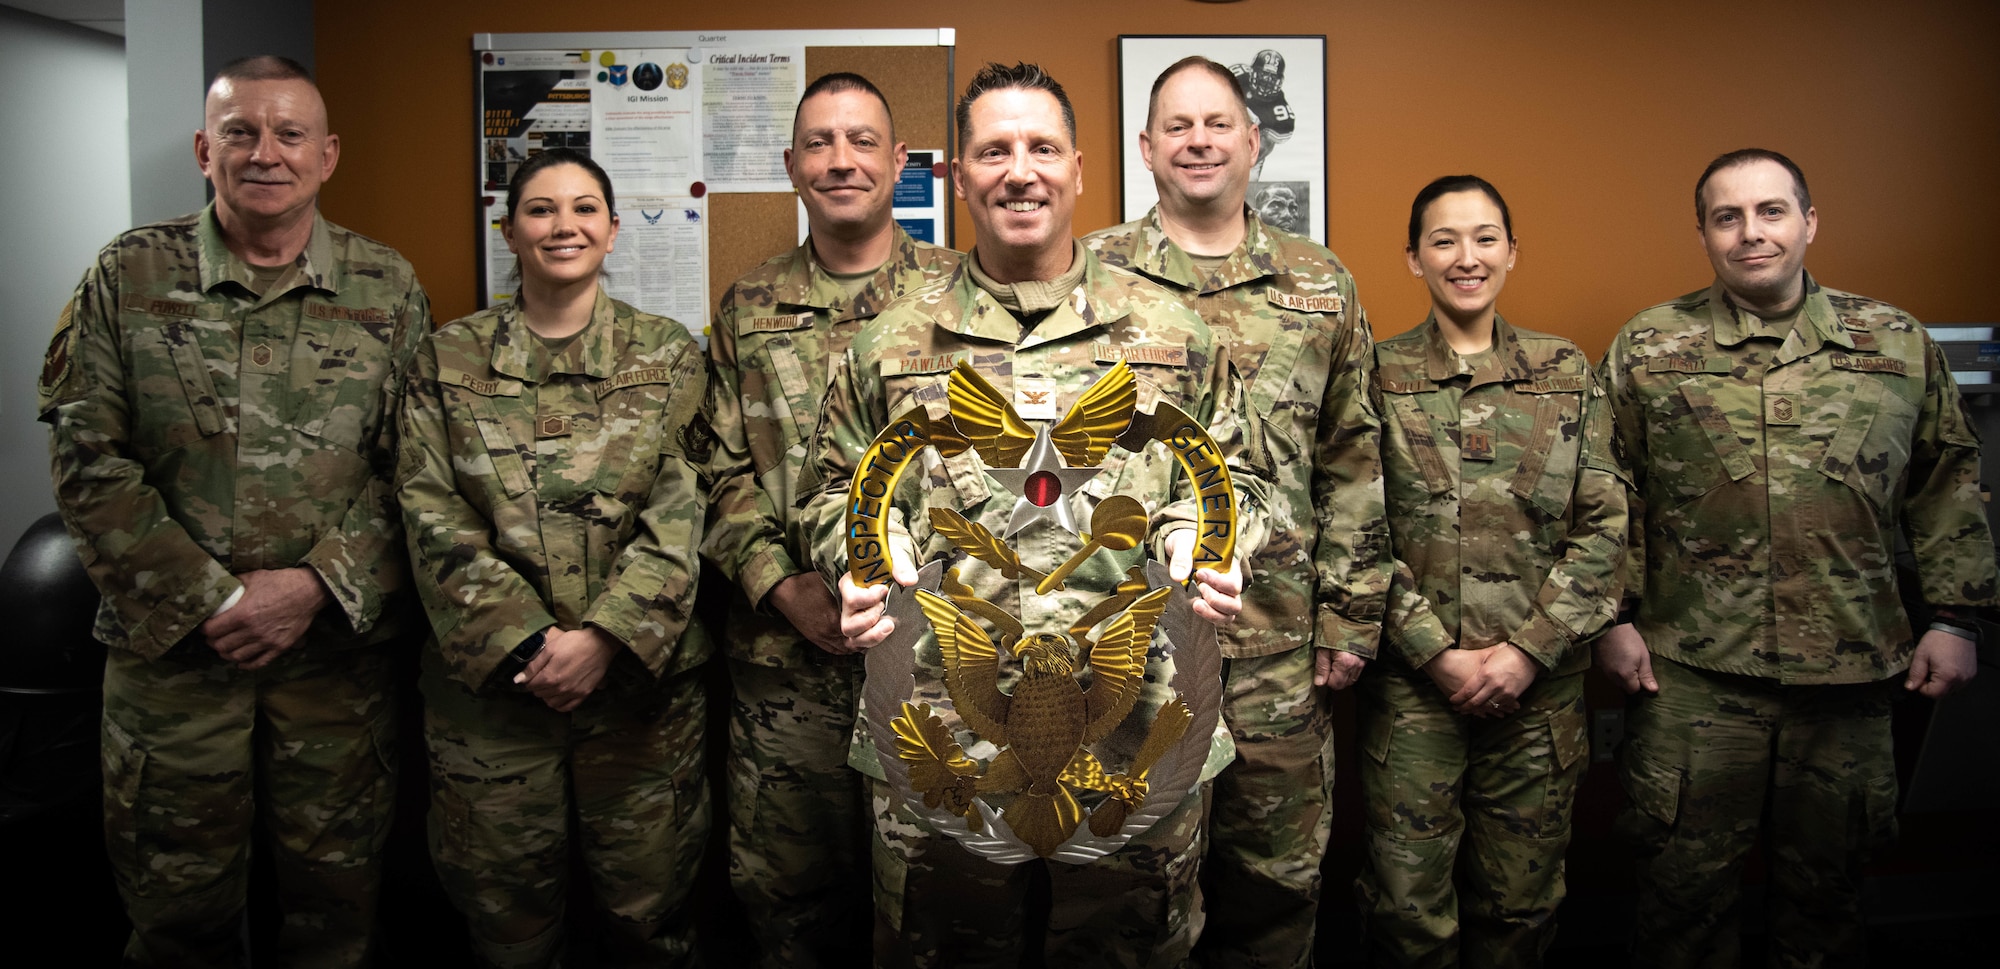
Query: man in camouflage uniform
x=1287 y=310
x=1038 y=315
x=1781 y=435
x=798 y=815
x=222 y=393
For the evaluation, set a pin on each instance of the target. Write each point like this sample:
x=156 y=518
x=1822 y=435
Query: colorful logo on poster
x=677 y=76
x=616 y=74
x=646 y=76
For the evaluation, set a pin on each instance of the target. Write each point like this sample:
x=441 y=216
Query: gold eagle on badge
x=1045 y=726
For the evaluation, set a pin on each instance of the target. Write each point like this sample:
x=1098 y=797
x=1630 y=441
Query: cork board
x=744 y=229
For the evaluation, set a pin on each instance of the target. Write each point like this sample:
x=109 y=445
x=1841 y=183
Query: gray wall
x=164 y=82
x=172 y=48
x=64 y=108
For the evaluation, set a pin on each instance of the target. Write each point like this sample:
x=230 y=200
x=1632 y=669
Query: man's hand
x=863 y=619
x=1621 y=655
x=1452 y=669
x=1943 y=663
x=1505 y=672
x=570 y=667
x=804 y=601
x=1335 y=669
x=1221 y=598
x=276 y=608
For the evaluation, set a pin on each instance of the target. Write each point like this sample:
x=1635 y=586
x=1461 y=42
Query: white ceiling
x=104 y=15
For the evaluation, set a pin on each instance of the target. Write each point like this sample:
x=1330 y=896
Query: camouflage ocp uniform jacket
x=781 y=329
x=1287 y=310
x=1774 y=474
x=558 y=489
x=1507 y=505
x=904 y=358
x=201 y=430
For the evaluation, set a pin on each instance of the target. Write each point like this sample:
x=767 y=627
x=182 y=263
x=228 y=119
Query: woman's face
x=1463 y=254
x=562 y=229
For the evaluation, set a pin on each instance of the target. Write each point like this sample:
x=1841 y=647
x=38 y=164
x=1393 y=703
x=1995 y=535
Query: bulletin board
x=694 y=221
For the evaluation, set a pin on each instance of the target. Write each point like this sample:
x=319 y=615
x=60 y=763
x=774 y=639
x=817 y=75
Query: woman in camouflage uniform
x=1507 y=517
x=548 y=481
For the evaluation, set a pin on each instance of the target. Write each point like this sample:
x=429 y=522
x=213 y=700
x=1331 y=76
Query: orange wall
x=1594 y=118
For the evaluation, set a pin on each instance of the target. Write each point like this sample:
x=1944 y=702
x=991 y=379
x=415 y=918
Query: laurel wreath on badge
x=1059 y=770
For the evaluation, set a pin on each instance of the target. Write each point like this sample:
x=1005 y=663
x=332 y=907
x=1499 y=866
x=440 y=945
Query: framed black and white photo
x=1284 y=80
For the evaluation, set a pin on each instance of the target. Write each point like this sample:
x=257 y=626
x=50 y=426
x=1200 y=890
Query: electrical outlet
x=1607 y=728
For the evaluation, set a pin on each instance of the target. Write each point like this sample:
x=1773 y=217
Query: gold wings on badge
x=986 y=420
x=1097 y=418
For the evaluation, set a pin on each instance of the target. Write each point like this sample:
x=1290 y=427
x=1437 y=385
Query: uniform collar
x=1097 y=301
x=218 y=265
x=1505 y=363
x=1160 y=257
x=519 y=354
x=1817 y=326
x=803 y=282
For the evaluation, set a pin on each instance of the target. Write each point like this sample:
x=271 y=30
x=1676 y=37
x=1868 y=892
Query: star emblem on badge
x=1043 y=484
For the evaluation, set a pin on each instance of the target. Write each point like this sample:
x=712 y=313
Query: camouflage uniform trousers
x=938 y=906
x=1432 y=779
x=1702 y=764
x=799 y=821
x=1270 y=819
x=513 y=782
x=198 y=754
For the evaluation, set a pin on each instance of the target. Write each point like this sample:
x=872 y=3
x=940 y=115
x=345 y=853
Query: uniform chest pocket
x=1554 y=438
x=174 y=403
x=1280 y=382
x=1870 y=451
x=799 y=367
x=487 y=443
x=1420 y=447
x=640 y=421
x=1692 y=448
x=336 y=375
x=964 y=473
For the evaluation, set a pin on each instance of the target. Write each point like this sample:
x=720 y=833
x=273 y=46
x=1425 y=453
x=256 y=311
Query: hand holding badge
x=1045 y=777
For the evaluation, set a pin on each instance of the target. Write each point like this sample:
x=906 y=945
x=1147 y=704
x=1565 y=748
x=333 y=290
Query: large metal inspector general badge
x=1064 y=762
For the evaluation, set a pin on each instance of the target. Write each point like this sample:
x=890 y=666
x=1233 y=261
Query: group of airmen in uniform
x=281 y=480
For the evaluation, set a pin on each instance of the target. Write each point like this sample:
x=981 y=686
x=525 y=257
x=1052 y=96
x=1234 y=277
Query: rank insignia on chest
x=1781 y=410
x=1035 y=398
x=261 y=357
x=552 y=426
x=1475 y=444
x=1035 y=771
